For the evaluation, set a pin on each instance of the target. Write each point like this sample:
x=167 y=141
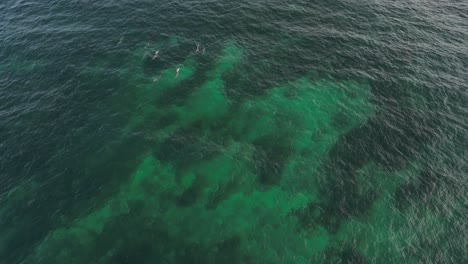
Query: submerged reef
x=226 y=179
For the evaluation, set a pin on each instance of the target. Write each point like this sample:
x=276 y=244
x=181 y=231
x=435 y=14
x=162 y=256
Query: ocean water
x=293 y=132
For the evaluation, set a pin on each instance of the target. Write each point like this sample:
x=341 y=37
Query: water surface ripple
x=293 y=131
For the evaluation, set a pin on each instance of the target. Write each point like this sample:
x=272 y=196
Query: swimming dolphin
x=155 y=55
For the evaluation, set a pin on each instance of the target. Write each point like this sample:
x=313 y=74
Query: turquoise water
x=293 y=131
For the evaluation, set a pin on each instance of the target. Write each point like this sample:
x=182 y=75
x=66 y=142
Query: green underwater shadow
x=207 y=177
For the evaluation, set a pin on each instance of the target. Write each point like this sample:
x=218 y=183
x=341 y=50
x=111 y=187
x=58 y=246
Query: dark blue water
x=293 y=131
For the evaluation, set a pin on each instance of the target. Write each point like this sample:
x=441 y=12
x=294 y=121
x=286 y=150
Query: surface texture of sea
x=293 y=131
